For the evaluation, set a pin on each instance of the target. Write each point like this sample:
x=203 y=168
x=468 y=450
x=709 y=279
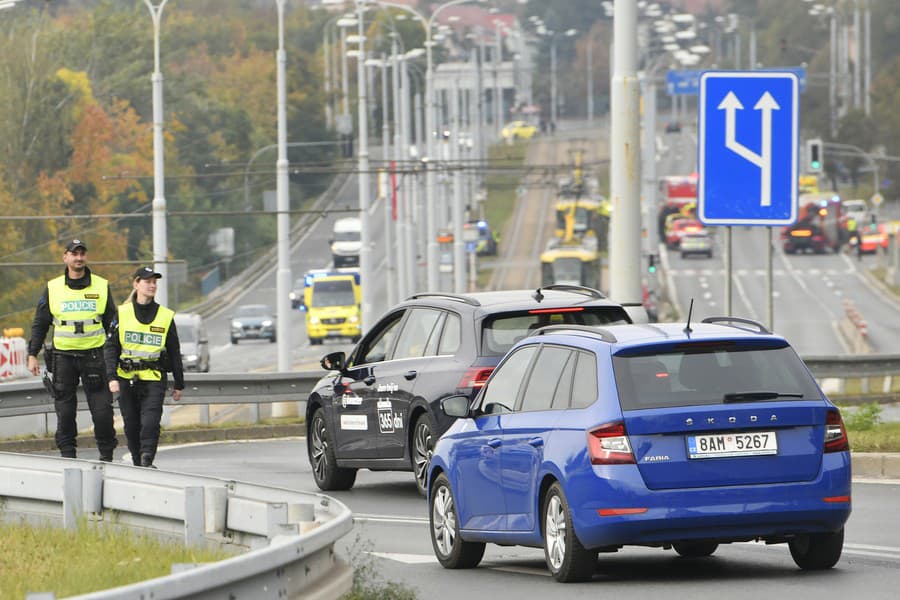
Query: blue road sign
x=682 y=83
x=747 y=148
x=800 y=72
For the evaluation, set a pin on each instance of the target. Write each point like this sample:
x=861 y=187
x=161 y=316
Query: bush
x=864 y=418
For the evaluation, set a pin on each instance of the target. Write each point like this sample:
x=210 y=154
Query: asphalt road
x=391 y=536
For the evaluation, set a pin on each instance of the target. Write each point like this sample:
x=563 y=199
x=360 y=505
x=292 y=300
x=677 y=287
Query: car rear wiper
x=742 y=396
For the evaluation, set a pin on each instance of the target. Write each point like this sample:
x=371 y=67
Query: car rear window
x=501 y=331
x=712 y=374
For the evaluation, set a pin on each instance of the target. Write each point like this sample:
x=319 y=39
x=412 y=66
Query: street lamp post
x=283 y=274
x=590 y=80
x=160 y=243
x=430 y=195
x=365 y=252
x=625 y=239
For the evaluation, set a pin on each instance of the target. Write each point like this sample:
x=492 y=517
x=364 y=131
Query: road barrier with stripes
x=13 y=358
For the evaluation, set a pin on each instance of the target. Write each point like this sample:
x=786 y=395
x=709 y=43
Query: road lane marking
x=409 y=559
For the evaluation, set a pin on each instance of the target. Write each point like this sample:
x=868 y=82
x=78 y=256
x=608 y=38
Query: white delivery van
x=346 y=241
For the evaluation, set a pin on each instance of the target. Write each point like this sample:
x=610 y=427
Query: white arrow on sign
x=766 y=104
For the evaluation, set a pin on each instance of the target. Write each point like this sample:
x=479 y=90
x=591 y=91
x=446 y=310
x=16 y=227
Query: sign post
x=748 y=152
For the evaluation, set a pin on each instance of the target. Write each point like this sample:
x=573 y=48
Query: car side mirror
x=334 y=361
x=301 y=307
x=456 y=406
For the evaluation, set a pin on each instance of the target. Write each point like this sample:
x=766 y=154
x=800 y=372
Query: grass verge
x=88 y=559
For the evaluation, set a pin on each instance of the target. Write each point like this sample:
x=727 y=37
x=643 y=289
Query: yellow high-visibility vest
x=77 y=314
x=142 y=343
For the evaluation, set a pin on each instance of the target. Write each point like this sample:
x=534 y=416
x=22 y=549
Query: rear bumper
x=732 y=513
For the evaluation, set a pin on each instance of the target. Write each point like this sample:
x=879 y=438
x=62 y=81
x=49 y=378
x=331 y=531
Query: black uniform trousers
x=141 y=403
x=88 y=366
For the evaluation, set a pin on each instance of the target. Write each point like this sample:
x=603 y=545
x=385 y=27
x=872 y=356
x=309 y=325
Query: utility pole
x=625 y=239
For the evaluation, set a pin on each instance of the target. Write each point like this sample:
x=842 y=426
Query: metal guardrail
x=202 y=389
x=285 y=539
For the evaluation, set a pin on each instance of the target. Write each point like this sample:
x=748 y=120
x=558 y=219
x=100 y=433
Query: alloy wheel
x=422 y=450
x=319 y=448
x=444 y=520
x=555 y=532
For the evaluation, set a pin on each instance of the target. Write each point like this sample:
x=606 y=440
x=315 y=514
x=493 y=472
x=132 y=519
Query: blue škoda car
x=587 y=439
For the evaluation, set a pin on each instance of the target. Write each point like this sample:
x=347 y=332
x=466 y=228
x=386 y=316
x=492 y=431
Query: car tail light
x=608 y=445
x=475 y=377
x=835 y=435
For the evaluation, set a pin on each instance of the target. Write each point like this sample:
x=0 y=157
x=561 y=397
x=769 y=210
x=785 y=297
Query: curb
x=867 y=465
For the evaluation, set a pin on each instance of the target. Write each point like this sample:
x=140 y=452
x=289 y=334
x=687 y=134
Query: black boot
x=106 y=457
x=147 y=460
x=67 y=452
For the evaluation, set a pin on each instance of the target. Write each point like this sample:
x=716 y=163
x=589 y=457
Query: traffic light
x=651 y=263
x=814 y=155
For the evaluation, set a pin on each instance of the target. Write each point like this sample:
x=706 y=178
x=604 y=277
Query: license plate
x=722 y=445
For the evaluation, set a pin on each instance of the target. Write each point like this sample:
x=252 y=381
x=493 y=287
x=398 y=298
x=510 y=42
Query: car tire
x=273 y=339
x=449 y=548
x=420 y=449
x=315 y=341
x=817 y=551
x=695 y=549
x=355 y=339
x=234 y=341
x=567 y=560
x=327 y=475
x=684 y=255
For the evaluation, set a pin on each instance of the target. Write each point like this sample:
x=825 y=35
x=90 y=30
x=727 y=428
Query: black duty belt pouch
x=48 y=358
x=93 y=370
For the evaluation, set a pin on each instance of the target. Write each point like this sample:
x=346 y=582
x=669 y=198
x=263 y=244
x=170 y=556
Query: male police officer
x=80 y=307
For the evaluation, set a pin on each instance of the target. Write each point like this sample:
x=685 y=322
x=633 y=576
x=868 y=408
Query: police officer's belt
x=79 y=322
x=127 y=365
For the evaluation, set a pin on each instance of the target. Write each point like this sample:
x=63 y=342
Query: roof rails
x=458 y=297
x=759 y=326
x=604 y=334
x=563 y=287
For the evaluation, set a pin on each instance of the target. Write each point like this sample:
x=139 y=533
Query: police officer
x=142 y=345
x=80 y=307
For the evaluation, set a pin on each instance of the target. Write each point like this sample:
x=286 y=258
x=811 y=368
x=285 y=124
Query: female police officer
x=140 y=348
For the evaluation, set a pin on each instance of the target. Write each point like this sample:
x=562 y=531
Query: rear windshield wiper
x=742 y=396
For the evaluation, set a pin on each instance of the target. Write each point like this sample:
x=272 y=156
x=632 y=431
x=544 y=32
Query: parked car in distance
x=696 y=242
x=588 y=439
x=378 y=408
x=673 y=127
x=518 y=130
x=253 y=321
x=194 y=342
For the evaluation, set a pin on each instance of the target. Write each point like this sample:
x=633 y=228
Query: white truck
x=346 y=241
